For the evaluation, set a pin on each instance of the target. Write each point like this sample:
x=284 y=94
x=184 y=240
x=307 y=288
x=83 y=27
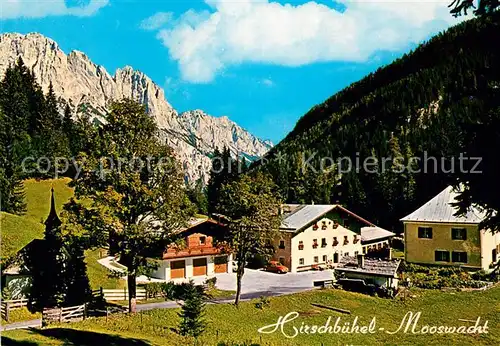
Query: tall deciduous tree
x=251 y=203
x=135 y=186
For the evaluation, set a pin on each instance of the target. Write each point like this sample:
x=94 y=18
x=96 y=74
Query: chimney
x=361 y=261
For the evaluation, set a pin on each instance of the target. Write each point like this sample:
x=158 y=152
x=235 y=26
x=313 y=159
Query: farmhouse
x=199 y=255
x=380 y=273
x=320 y=235
x=375 y=239
x=435 y=235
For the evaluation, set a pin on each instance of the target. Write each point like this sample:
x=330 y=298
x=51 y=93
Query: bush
x=210 y=283
x=263 y=302
x=182 y=291
x=168 y=290
x=154 y=289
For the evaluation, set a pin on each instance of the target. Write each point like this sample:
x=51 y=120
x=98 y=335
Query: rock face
x=88 y=87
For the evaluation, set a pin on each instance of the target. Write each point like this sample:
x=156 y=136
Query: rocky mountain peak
x=194 y=135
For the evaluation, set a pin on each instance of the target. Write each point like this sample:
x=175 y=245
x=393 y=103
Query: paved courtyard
x=256 y=283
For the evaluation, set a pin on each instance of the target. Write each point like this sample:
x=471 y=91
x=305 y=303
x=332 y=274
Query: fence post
x=102 y=292
x=7 y=310
x=125 y=293
x=60 y=315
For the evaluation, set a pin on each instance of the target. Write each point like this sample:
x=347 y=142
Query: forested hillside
x=426 y=104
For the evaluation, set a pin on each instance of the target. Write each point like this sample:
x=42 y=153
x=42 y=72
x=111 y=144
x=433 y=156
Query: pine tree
x=192 y=312
x=197 y=195
x=77 y=282
x=53 y=141
x=14 y=139
x=224 y=170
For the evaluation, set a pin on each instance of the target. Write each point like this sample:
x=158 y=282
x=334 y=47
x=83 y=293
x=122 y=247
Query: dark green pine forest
x=440 y=100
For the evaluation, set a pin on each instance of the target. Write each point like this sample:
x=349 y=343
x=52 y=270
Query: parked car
x=276 y=267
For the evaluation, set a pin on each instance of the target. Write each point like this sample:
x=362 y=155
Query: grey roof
x=439 y=209
x=301 y=215
x=373 y=233
x=371 y=266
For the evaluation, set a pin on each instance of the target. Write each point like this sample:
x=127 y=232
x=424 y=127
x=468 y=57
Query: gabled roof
x=374 y=233
x=439 y=209
x=300 y=215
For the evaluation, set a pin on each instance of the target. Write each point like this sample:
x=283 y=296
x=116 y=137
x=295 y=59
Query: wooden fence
x=7 y=305
x=67 y=314
x=118 y=294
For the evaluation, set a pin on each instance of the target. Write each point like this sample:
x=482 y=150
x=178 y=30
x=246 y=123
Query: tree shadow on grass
x=11 y=342
x=78 y=337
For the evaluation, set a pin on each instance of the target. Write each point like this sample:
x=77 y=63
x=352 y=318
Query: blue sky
x=262 y=63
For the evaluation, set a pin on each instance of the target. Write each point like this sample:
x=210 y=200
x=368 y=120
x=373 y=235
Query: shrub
x=168 y=290
x=210 y=283
x=154 y=289
x=263 y=302
x=182 y=290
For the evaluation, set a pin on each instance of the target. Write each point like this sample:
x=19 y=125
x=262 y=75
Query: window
x=323 y=226
x=335 y=258
x=324 y=258
x=282 y=260
x=425 y=232
x=346 y=253
x=356 y=239
x=315 y=227
x=442 y=256
x=282 y=244
x=315 y=243
x=458 y=234
x=379 y=246
x=203 y=240
x=364 y=250
x=301 y=261
x=335 y=223
x=301 y=245
x=459 y=256
x=323 y=242
x=315 y=259
x=346 y=223
x=356 y=253
x=335 y=241
x=346 y=241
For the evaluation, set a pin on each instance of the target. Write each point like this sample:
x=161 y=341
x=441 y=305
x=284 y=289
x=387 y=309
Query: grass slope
x=17 y=231
x=229 y=324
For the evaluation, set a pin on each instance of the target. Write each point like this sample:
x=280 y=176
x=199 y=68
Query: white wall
x=489 y=241
x=163 y=271
x=309 y=252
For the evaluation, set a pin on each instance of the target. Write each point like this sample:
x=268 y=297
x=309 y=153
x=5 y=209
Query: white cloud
x=156 y=21
x=268 y=82
x=11 y=9
x=232 y=33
